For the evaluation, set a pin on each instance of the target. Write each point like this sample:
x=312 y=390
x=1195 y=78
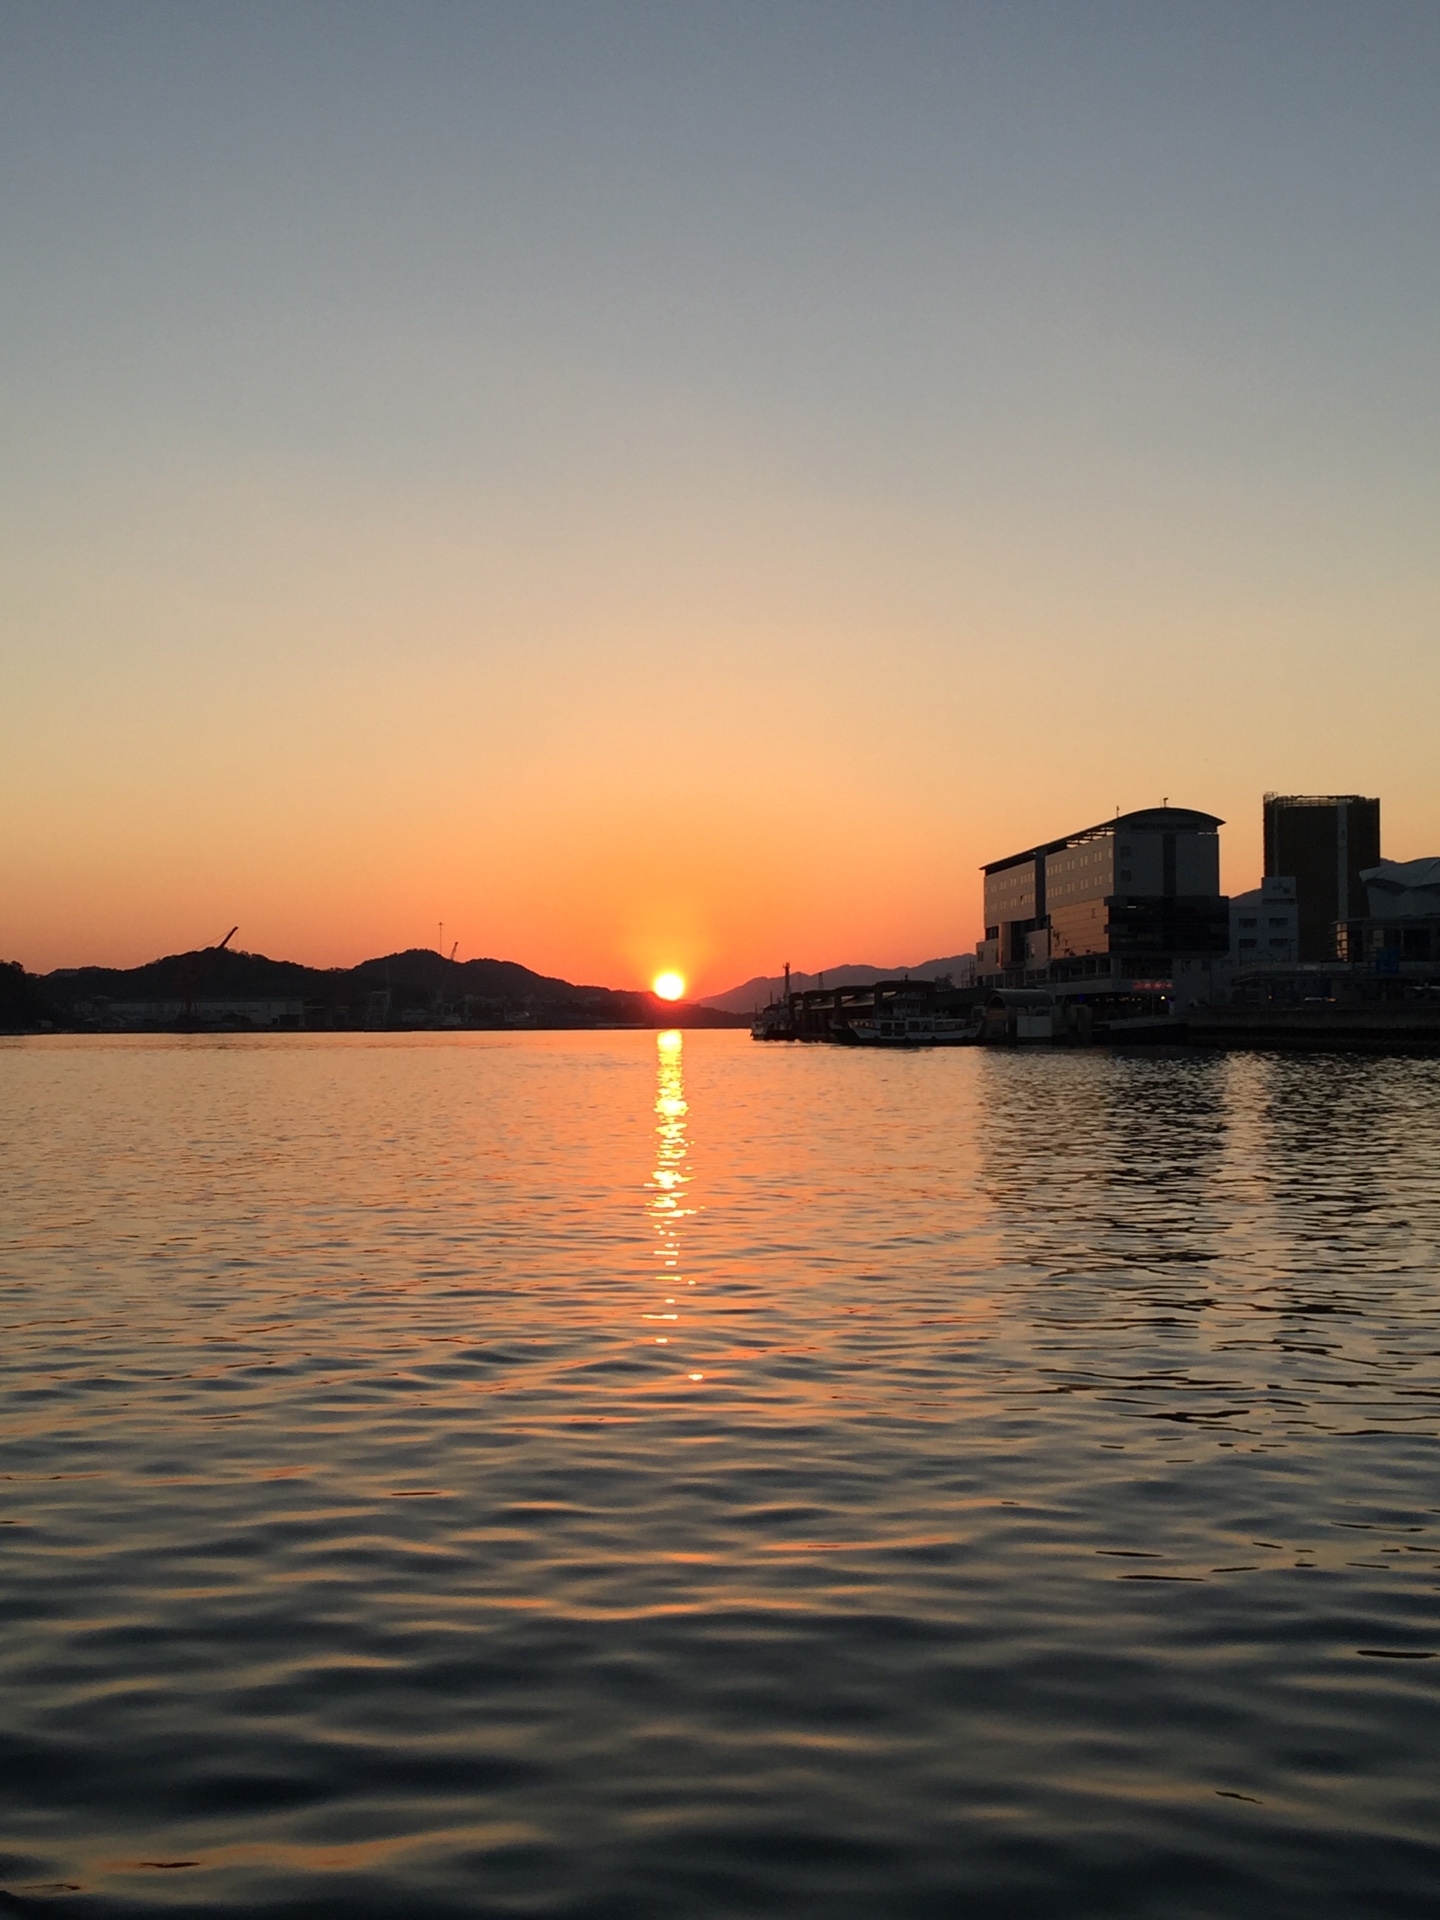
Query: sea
x=634 y=1476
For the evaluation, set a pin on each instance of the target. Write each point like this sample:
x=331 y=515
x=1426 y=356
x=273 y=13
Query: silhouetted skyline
x=680 y=488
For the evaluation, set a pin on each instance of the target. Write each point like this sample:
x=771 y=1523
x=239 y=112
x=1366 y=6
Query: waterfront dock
x=1409 y=1026
x=926 y=1013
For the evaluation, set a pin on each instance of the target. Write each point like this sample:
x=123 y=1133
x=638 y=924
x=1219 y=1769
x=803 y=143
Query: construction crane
x=438 y=1006
x=193 y=971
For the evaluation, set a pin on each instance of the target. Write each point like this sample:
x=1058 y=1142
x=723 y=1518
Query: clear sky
x=682 y=485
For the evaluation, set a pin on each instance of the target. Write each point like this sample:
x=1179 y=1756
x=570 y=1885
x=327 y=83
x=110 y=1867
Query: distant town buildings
x=1323 y=842
x=218 y=1013
x=1119 y=934
x=1127 y=919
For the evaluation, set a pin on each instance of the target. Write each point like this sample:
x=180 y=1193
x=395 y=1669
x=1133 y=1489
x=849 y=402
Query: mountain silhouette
x=764 y=988
x=212 y=985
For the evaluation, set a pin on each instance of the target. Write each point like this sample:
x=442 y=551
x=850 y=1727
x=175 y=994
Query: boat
x=891 y=1013
x=772 y=1023
x=914 y=1030
x=775 y=1022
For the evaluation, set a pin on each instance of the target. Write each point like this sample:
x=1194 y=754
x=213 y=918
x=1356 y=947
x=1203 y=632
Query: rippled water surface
x=608 y=1476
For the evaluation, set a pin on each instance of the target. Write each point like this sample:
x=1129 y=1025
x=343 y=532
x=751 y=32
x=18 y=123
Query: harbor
x=1119 y=935
x=935 y=1013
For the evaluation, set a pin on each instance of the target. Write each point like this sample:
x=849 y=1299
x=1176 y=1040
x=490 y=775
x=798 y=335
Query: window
x=1248 y=922
x=1279 y=920
x=1248 y=943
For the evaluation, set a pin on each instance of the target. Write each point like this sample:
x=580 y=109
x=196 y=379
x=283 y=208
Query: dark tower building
x=1323 y=841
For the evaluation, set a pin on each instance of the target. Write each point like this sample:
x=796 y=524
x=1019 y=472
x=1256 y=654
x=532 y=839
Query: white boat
x=914 y=1030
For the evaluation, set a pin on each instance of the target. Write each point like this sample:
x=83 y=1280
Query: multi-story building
x=1131 y=907
x=1265 y=924
x=1401 y=931
x=1323 y=841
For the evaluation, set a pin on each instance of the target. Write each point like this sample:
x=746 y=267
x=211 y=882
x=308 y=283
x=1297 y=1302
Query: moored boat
x=772 y=1023
x=914 y=1030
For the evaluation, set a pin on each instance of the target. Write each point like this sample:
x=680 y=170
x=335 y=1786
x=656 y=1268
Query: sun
x=669 y=986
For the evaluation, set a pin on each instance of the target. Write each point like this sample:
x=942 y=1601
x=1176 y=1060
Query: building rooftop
x=1144 y=819
x=1315 y=799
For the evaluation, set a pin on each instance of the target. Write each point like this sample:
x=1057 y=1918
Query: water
x=582 y=1475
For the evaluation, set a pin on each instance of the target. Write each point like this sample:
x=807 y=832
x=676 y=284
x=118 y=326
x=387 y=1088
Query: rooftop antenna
x=440 y=942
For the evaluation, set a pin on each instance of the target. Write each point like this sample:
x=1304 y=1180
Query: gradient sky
x=659 y=485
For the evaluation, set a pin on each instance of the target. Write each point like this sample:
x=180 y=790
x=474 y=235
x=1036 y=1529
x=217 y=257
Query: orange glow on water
x=669 y=986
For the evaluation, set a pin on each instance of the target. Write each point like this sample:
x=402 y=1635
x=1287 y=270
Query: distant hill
x=765 y=988
x=24 y=1003
x=417 y=987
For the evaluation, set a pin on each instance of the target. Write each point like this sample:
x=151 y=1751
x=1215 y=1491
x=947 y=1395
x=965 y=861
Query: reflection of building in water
x=666 y=1186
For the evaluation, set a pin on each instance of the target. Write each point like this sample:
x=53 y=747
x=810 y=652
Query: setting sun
x=669 y=986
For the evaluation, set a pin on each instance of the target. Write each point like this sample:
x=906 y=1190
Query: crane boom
x=194 y=967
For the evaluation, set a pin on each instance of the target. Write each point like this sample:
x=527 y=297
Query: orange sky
x=683 y=503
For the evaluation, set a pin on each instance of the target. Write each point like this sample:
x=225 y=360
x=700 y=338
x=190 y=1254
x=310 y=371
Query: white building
x=1265 y=925
x=1403 y=889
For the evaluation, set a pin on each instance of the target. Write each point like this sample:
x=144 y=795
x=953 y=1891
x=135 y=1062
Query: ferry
x=773 y=1023
x=899 y=1028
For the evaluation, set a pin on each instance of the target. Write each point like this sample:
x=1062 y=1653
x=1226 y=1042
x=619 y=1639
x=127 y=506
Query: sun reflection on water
x=666 y=1207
